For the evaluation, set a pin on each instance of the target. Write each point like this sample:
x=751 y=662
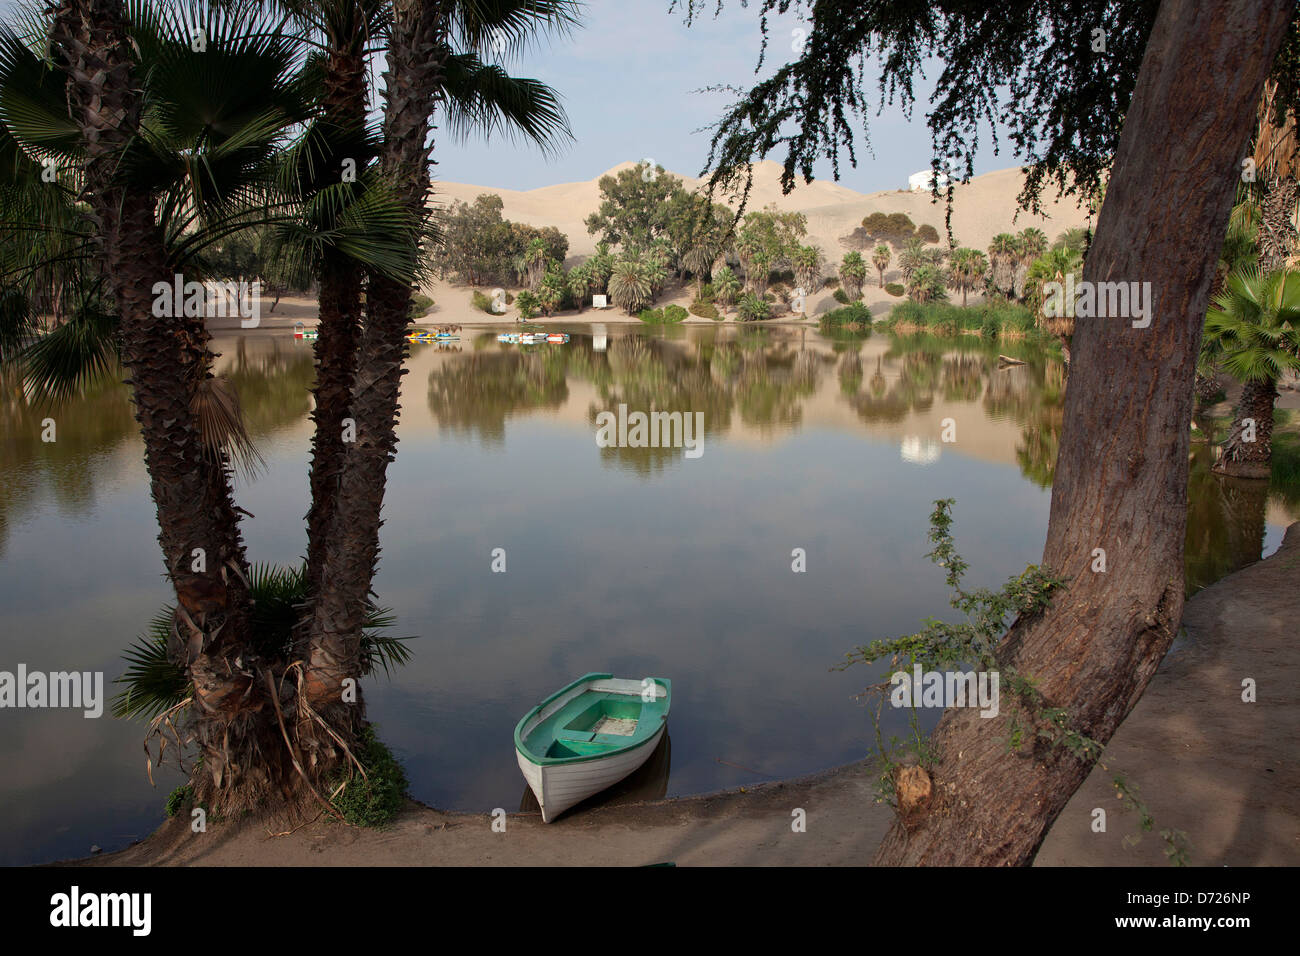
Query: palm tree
x=698 y=260
x=913 y=256
x=967 y=270
x=726 y=287
x=880 y=259
x=1033 y=243
x=331 y=167
x=1239 y=253
x=807 y=262
x=1253 y=332
x=630 y=285
x=927 y=283
x=422 y=53
x=162 y=183
x=582 y=282
x=1075 y=239
x=1052 y=266
x=853 y=273
x=1004 y=251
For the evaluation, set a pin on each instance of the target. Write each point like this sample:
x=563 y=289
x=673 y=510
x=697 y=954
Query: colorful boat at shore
x=425 y=335
x=301 y=331
x=533 y=338
x=588 y=736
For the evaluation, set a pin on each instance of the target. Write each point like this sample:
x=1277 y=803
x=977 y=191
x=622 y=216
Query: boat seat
x=578 y=736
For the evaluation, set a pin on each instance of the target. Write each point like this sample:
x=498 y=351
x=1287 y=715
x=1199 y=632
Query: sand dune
x=981 y=209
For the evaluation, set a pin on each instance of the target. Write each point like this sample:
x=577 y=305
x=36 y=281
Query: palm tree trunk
x=340 y=320
x=1121 y=476
x=1251 y=459
x=166 y=359
x=416 y=63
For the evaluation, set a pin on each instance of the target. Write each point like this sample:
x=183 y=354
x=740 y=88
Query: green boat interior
x=596 y=723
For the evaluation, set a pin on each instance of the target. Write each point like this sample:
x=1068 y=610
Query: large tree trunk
x=1251 y=459
x=339 y=330
x=416 y=64
x=166 y=358
x=1121 y=478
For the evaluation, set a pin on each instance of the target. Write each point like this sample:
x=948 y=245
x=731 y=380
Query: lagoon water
x=637 y=561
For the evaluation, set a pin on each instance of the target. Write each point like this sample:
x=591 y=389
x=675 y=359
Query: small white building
x=923 y=179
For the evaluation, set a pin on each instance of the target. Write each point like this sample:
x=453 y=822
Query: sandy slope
x=981 y=209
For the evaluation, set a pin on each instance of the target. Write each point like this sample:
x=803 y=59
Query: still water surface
x=634 y=561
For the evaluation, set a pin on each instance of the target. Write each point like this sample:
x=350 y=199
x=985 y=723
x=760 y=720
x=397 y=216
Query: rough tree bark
x=339 y=330
x=166 y=359
x=1121 y=478
x=1251 y=459
x=416 y=65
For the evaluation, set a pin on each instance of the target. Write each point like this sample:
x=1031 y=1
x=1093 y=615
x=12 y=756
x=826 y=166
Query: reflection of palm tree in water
x=1226 y=521
x=87 y=428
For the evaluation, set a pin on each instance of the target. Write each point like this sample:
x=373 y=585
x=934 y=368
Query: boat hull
x=558 y=787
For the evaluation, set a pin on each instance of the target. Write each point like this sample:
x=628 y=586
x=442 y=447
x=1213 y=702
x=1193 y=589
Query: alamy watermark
x=210 y=299
x=1099 y=300
x=651 y=430
x=56 y=689
x=944 y=689
x=77 y=909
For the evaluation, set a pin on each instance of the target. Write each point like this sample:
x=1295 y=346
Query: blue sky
x=629 y=78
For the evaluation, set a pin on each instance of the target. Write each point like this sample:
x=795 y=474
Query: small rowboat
x=588 y=736
x=300 y=331
x=560 y=337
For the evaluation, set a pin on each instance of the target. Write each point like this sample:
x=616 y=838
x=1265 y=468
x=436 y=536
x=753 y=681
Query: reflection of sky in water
x=677 y=568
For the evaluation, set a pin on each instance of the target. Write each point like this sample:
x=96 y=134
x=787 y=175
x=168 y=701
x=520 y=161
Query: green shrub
x=178 y=799
x=853 y=314
x=752 y=308
x=668 y=315
x=705 y=310
x=894 y=289
x=528 y=304
x=707 y=293
x=373 y=800
x=483 y=302
x=893 y=226
x=928 y=233
x=420 y=304
x=840 y=296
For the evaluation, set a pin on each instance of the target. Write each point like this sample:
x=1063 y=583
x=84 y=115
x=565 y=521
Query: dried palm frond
x=221 y=424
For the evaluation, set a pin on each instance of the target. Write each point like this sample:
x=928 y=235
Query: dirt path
x=1223 y=771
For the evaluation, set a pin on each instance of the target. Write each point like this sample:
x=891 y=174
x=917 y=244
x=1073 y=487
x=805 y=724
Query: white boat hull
x=558 y=787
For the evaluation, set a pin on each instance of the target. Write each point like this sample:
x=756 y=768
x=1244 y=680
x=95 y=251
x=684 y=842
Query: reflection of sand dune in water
x=649 y=782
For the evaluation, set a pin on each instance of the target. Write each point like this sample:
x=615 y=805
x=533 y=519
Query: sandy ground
x=1221 y=770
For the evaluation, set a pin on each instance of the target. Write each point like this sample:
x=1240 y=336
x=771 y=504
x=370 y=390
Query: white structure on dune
x=923 y=179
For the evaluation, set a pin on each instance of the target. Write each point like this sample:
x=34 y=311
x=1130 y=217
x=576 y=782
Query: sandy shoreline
x=1206 y=763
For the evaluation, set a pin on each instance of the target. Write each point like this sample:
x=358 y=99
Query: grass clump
x=373 y=800
x=705 y=310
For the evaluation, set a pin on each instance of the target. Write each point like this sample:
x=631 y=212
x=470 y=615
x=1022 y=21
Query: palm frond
x=221 y=424
x=482 y=97
x=152 y=684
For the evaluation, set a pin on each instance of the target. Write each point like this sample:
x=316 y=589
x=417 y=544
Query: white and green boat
x=588 y=736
